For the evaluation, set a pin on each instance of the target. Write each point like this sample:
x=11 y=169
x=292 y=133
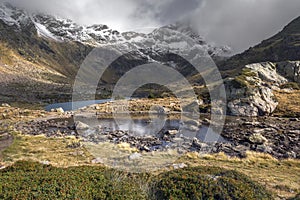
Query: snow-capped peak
x=60 y=29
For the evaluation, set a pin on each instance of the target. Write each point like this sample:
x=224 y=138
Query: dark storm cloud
x=243 y=23
x=237 y=23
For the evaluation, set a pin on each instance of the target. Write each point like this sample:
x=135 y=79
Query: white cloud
x=237 y=23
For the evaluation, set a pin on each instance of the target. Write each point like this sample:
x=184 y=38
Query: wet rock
x=81 y=126
x=58 y=110
x=193 y=122
x=172 y=132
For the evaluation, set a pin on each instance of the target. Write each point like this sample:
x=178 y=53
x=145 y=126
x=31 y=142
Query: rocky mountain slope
x=252 y=92
x=60 y=45
x=254 y=77
x=283 y=46
x=40 y=56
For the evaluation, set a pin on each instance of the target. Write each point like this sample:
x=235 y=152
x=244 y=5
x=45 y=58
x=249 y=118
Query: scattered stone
x=97 y=161
x=6 y=105
x=193 y=122
x=60 y=110
x=172 y=132
x=179 y=166
x=45 y=162
x=135 y=156
x=257 y=138
x=81 y=126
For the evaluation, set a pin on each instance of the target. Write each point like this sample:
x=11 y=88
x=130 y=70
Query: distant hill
x=283 y=46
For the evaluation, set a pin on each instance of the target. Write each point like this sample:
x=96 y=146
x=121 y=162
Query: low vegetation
x=288 y=103
x=31 y=180
x=207 y=183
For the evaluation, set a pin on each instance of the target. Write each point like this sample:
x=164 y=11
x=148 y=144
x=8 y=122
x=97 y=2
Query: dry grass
x=40 y=148
x=280 y=177
x=289 y=103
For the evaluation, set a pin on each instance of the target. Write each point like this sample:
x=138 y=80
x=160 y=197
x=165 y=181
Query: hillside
x=41 y=41
x=283 y=46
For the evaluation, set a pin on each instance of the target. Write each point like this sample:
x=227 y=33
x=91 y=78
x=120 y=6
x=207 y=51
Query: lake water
x=140 y=126
x=69 y=106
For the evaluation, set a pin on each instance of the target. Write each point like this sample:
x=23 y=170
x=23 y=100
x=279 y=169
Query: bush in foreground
x=206 y=183
x=29 y=180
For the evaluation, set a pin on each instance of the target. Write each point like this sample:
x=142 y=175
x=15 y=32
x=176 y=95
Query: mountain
x=283 y=46
x=35 y=47
x=258 y=78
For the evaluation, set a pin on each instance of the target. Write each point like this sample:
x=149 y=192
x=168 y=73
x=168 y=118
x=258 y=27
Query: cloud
x=243 y=23
x=237 y=23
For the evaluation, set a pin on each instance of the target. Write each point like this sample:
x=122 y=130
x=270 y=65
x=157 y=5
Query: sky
x=239 y=24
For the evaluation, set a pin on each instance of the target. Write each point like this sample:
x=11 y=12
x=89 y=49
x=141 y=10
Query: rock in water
x=59 y=110
x=81 y=126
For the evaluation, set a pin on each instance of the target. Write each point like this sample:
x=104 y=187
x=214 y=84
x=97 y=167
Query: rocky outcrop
x=251 y=93
x=290 y=70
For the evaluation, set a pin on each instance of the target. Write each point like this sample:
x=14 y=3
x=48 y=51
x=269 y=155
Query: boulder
x=172 y=132
x=5 y=105
x=290 y=70
x=59 y=110
x=250 y=93
x=81 y=126
x=257 y=138
x=97 y=161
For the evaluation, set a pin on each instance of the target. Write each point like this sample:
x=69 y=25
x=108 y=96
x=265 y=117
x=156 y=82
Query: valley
x=230 y=127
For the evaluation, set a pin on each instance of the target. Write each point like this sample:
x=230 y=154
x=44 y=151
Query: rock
x=159 y=109
x=98 y=128
x=45 y=162
x=172 y=132
x=97 y=161
x=135 y=156
x=81 y=126
x=290 y=70
x=193 y=122
x=59 y=110
x=6 y=105
x=179 y=166
x=257 y=138
x=250 y=94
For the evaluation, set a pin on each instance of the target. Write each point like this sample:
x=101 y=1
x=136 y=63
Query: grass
x=289 y=103
x=207 y=183
x=280 y=177
x=52 y=150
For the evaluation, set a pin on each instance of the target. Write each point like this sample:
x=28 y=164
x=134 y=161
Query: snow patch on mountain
x=175 y=36
x=44 y=32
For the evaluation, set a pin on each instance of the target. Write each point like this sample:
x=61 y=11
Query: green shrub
x=206 y=183
x=29 y=180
